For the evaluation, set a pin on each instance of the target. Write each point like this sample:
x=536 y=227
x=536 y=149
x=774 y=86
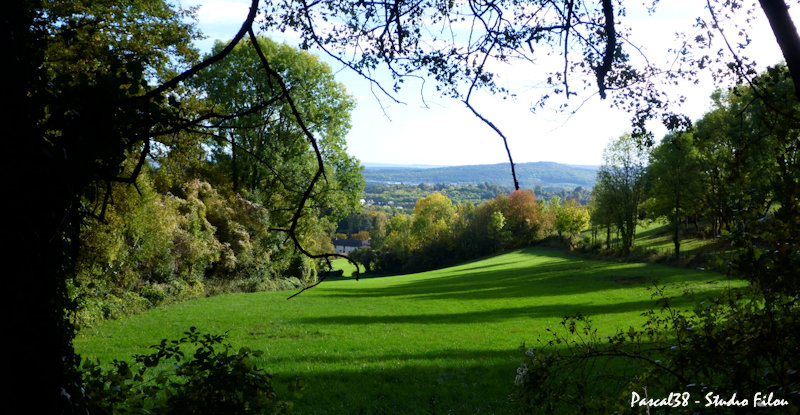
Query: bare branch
x=172 y=83
x=320 y=173
x=505 y=141
x=611 y=46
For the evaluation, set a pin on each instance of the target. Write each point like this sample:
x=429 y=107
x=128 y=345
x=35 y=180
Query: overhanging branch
x=172 y=83
x=320 y=172
x=505 y=141
x=611 y=46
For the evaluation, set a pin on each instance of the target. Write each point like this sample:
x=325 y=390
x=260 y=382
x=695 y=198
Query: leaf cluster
x=199 y=373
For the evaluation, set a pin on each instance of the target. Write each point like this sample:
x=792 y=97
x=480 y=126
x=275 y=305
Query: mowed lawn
x=444 y=341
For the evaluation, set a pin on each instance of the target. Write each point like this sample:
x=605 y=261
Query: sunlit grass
x=443 y=340
x=656 y=236
x=345 y=265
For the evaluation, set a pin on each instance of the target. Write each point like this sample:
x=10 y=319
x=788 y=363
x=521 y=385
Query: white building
x=345 y=246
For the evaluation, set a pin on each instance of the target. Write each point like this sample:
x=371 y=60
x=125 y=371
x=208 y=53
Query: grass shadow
x=500 y=314
x=552 y=275
x=456 y=382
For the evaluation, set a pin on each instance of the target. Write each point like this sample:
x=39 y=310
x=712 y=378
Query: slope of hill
x=439 y=341
x=543 y=173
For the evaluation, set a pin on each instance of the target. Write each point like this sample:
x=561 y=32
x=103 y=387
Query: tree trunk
x=676 y=237
x=234 y=169
x=41 y=232
x=786 y=34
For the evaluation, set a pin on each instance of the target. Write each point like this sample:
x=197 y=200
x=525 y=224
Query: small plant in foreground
x=212 y=380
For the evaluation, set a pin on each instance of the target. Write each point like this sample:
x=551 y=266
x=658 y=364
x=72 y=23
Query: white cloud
x=223 y=11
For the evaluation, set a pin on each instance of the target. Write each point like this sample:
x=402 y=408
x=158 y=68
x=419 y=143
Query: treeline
x=734 y=171
x=440 y=232
x=407 y=195
x=211 y=207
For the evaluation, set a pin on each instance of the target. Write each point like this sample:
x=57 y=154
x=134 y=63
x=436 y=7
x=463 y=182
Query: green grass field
x=656 y=236
x=438 y=341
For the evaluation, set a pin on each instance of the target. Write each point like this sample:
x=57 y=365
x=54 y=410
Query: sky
x=447 y=133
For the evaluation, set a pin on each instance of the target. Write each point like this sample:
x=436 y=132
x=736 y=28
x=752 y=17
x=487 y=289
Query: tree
x=81 y=99
x=94 y=82
x=433 y=218
x=674 y=176
x=360 y=236
x=571 y=219
x=620 y=186
x=399 y=242
x=497 y=231
x=265 y=150
x=365 y=257
x=715 y=153
x=755 y=132
x=522 y=215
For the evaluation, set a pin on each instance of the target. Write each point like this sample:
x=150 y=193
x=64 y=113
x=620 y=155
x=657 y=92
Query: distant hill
x=383 y=166
x=544 y=173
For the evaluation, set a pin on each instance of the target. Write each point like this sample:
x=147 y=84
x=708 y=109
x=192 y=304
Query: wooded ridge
x=544 y=173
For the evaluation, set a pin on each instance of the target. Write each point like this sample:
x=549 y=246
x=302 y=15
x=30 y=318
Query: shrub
x=733 y=344
x=212 y=379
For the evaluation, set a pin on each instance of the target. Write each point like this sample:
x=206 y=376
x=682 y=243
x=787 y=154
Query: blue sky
x=446 y=132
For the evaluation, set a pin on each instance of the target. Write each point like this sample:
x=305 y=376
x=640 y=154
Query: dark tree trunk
x=234 y=169
x=676 y=236
x=786 y=34
x=676 y=240
x=40 y=230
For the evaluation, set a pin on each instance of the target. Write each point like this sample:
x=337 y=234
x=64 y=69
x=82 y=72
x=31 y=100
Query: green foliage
x=439 y=233
x=364 y=256
x=734 y=344
x=570 y=220
x=433 y=218
x=497 y=230
x=675 y=182
x=741 y=160
x=266 y=152
x=620 y=187
x=159 y=248
x=208 y=378
x=760 y=180
x=81 y=70
x=199 y=223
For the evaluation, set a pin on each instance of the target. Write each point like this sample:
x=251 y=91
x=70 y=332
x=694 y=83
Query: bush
x=733 y=344
x=213 y=379
x=155 y=248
